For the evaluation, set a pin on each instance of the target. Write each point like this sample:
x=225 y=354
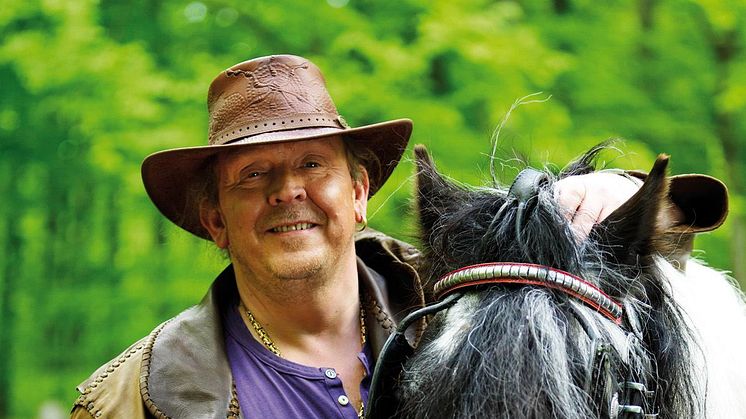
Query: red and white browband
x=527 y=273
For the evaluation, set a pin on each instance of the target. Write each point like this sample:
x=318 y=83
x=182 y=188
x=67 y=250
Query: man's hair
x=357 y=156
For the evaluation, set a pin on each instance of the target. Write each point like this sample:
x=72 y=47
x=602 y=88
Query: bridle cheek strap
x=530 y=274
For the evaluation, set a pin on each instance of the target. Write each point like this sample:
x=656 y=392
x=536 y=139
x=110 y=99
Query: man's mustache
x=284 y=216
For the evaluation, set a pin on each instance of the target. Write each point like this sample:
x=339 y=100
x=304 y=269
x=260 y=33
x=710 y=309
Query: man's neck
x=314 y=322
x=300 y=312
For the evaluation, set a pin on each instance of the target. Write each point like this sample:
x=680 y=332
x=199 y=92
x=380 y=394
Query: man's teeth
x=294 y=227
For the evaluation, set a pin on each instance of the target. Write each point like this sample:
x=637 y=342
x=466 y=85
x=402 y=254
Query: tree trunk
x=725 y=48
x=561 y=7
x=645 y=9
x=11 y=273
x=735 y=171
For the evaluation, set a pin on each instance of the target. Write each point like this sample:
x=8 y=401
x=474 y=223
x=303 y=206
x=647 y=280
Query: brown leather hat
x=264 y=100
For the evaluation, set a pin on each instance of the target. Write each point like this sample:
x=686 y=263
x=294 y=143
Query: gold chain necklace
x=270 y=344
x=266 y=340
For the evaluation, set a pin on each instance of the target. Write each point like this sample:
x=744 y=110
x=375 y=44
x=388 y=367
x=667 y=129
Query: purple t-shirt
x=272 y=387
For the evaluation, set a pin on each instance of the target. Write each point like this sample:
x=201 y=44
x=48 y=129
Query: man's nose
x=286 y=188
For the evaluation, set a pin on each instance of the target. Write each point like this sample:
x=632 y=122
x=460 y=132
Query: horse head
x=574 y=328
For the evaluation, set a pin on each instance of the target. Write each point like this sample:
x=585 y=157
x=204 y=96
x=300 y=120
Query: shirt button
x=330 y=373
x=343 y=400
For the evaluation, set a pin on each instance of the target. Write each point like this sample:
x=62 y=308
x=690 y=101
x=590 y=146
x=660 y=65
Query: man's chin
x=299 y=268
x=296 y=276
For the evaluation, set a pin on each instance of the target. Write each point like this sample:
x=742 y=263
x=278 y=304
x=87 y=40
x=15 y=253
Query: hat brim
x=169 y=175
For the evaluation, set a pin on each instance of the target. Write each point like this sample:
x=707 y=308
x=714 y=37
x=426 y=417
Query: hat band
x=302 y=120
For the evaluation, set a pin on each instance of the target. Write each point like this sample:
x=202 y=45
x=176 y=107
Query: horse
x=531 y=322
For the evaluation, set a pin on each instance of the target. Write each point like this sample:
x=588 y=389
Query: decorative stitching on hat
x=319 y=120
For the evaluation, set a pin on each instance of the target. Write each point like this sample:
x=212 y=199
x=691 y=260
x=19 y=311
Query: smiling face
x=287 y=210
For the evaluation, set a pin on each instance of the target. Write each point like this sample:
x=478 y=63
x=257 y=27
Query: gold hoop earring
x=362 y=225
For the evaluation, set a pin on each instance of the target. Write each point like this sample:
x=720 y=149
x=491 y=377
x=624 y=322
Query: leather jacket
x=180 y=369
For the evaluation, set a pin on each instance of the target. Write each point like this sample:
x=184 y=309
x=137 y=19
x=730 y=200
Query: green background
x=88 y=88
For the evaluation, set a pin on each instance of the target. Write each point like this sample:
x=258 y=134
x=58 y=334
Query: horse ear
x=434 y=193
x=631 y=232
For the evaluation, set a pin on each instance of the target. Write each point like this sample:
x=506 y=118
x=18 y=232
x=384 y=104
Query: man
x=293 y=326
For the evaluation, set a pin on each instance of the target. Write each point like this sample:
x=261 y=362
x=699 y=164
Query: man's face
x=287 y=210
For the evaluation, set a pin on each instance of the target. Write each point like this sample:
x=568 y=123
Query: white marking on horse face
x=458 y=321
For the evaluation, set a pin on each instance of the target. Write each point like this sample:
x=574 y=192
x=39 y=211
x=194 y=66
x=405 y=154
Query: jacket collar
x=187 y=374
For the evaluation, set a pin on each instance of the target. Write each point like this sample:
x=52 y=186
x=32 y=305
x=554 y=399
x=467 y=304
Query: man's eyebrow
x=237 y=163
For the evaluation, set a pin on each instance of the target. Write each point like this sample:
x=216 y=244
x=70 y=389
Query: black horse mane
x=520 y=352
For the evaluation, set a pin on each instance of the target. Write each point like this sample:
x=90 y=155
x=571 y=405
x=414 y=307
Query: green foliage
x=89 y=88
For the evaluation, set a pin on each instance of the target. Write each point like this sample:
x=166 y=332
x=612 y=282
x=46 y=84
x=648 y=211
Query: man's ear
x=212 y=220
x=361 y=188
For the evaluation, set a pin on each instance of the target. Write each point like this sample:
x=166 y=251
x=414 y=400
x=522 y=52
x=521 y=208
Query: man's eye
x=311 y=164
x=251 y=175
